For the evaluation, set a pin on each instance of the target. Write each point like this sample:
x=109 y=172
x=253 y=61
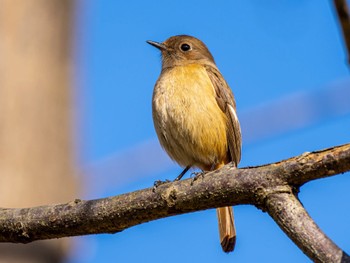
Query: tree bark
x=36 y=162
x=293 y=219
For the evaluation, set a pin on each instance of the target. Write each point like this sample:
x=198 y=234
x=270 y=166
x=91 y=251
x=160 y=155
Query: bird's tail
x=226 y=228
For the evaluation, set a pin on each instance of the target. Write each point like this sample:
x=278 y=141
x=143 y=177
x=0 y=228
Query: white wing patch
x=232 y=110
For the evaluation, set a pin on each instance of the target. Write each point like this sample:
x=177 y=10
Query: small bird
x=194 y=115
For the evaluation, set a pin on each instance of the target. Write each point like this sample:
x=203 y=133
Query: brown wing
x=226 y=102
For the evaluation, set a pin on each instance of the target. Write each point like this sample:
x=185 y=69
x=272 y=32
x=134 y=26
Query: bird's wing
x=226 y=102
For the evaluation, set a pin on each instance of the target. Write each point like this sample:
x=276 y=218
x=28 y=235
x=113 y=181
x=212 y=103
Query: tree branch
x=292 y=218
x=268 y=187
x=344 y=19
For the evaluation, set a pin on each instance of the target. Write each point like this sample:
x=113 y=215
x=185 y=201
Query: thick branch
x=260 y=186
x=292 y=218
x=344 y=19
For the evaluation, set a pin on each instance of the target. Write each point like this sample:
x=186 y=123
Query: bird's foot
x=158 y=183
x=197 y=175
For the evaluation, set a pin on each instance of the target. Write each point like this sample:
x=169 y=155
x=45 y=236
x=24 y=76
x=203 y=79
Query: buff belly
x=189 y=123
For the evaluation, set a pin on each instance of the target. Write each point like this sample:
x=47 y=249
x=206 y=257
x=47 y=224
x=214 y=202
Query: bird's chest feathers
x=185 y=93
x=189 y=123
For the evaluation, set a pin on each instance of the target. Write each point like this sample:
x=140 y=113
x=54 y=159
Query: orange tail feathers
x=226 y=228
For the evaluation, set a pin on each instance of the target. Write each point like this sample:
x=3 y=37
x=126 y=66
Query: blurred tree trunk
x=36 y=157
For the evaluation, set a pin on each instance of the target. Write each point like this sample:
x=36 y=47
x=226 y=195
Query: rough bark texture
x=269 y=187
x=292 y=218
x=36 y=165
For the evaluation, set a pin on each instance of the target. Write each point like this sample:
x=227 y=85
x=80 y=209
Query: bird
x=194 y=115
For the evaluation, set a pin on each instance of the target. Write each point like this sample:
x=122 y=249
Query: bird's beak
x=158 y=45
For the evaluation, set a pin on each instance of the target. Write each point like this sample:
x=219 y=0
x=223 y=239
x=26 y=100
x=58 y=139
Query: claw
x=196 y=176
x=158 y=183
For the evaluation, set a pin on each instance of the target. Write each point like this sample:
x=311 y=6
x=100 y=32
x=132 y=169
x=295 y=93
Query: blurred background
x=76 y=84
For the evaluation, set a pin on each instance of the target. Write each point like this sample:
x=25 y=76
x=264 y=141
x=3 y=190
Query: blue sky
x=283 y=59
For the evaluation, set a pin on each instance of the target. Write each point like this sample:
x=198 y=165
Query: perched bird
x=194 y=115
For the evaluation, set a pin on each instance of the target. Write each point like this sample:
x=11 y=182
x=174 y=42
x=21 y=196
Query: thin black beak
x=158 y=45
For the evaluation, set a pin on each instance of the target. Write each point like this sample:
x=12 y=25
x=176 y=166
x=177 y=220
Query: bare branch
x=292 y=218
x=344 y=19
x=267 y=187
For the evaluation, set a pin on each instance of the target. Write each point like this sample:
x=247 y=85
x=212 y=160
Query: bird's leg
x=160 y=182
x=182 y=173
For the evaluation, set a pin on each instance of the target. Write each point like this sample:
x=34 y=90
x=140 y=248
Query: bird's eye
x=185 y=47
